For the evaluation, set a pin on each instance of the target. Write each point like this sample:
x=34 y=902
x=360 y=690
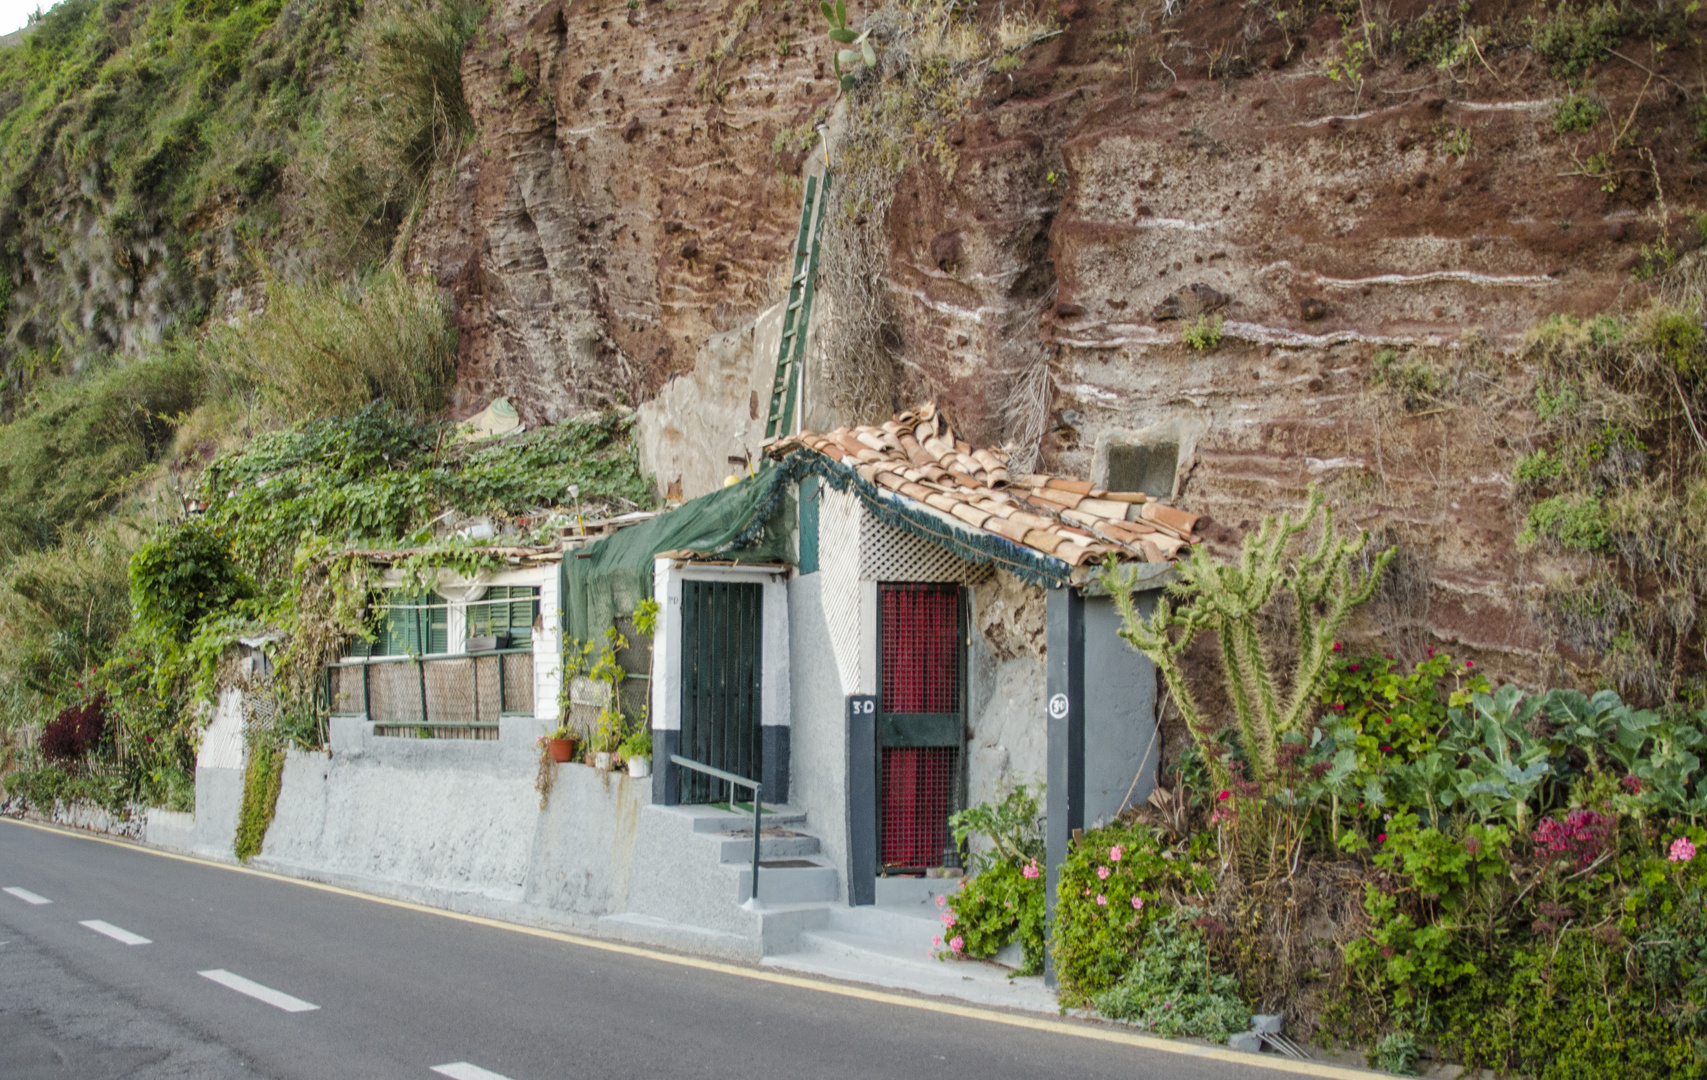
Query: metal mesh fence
x=921 y=640
x=918 y=790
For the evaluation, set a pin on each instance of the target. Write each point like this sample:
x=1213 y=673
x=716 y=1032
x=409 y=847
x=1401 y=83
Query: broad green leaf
x=845 y=36
x=869 y=53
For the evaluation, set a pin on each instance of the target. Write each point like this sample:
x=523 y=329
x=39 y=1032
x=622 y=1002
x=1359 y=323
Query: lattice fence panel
x=518 y=683
x=888 y=554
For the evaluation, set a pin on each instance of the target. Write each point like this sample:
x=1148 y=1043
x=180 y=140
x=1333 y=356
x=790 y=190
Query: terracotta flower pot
x=561 y=749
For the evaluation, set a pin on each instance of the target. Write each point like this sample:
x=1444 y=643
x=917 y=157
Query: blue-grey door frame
x=1065 y=705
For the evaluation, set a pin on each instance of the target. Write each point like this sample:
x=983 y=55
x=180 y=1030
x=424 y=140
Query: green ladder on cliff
x=791 y=351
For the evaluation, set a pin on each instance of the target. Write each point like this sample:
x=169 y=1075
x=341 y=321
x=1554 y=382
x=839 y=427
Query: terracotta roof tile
x=917 y=455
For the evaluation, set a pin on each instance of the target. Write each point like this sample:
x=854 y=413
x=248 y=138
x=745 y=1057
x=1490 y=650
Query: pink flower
x=1102 y=901
x=1137 y=903
x=948 y=918
x=1102 y=873
x=941 y=899
x=1354 y=667
x=937 y=941
x=1682 y=850
x=1382 y=839
x=1030 y=869
x=1336 y=646
x=1339 y=706
x=1389 y=720
x=1087 y=892
x=957 y=943
x=1431 y=652
x=1115 y=852
x=1469 y=664
x=1223 y=796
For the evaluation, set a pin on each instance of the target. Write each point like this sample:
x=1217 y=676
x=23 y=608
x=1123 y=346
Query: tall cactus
x=1227 y=599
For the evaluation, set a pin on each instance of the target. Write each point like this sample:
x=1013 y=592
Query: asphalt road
x=353 y=987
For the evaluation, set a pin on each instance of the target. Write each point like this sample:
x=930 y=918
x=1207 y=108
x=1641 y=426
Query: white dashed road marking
x=462 y=1070
x=117 y=933
x=276 y=998
x=27 y=896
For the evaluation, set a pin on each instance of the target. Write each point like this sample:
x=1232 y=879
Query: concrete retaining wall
x=458 y=824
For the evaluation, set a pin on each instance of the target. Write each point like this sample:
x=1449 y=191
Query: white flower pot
x=601 y=760
x=639 y=767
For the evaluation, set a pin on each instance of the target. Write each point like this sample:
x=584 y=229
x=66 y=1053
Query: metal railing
x=732 y=779
x=457 y=690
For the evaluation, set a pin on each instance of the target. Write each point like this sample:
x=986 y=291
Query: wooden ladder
x=791 y=351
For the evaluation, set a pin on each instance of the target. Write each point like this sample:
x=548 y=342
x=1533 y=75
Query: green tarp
x=750 y=522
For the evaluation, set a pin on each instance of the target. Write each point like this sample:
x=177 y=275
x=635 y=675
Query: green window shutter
x=437 y=626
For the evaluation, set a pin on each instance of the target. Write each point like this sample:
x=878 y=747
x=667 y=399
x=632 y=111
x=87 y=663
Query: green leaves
x=863 y=52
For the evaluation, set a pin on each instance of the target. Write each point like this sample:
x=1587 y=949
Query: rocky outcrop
x=1117 y=183
x=624 y=200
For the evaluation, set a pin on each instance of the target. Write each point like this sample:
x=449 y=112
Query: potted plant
x=637 y=751
x=560 y=744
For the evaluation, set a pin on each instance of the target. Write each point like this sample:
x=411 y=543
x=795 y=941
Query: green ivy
x=262 y=780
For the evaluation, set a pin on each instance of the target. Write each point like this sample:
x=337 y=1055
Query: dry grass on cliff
x=932 y=61
x=399 y=115
x=323 y=348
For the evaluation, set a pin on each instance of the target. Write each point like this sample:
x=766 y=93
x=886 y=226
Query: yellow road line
x=1080 y=1030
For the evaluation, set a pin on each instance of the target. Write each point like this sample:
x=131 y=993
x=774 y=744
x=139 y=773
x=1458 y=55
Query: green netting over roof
x=751 y=521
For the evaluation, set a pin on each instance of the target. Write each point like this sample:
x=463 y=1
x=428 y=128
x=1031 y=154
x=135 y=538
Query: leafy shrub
x=77 y=444
x=1003 y=900
x=1397 y=1053
x=1576 y=523
x=76 y=731
x=1114 y=888
x=999 y=904
x=1171 y=989
x=1679 y=340
x=1579 y=112
x=1014 y=827
x=183 y=574
x=1573 y=39
x=1203 y=334
x=1417 y=385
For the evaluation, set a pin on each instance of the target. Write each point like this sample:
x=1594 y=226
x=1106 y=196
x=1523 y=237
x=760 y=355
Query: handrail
x=688 y=763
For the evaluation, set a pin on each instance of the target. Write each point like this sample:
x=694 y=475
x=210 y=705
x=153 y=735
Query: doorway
x=920 y=723
x=722 y=637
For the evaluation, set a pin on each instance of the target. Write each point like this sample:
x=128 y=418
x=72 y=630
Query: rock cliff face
x=623 y=201
x=1376 y=245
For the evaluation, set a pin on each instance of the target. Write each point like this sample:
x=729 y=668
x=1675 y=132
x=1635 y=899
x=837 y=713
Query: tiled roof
x=915 y=454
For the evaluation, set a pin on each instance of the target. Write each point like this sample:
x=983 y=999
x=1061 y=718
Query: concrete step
x=914 y=891
x=773 y=844
x=910 y=926
x=786 y=884
x=710 y=819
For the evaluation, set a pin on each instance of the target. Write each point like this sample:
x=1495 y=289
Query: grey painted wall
x=818 y=744
x=1120 y=715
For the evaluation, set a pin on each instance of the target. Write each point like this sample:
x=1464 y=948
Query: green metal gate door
x=722 y=630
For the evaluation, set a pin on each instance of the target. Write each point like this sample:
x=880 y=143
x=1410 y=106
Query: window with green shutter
x=505 y=609
x=409 y=624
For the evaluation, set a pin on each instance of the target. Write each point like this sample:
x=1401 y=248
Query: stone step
x=786 y=884
x=909 y=927
x=709 y=819
x=773 y=844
